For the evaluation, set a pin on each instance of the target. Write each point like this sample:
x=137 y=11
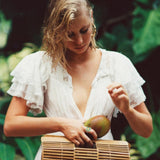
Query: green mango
x=100 y=123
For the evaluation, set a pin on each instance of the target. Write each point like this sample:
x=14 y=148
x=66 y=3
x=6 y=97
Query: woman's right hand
x=75 y=131
x=18 y=124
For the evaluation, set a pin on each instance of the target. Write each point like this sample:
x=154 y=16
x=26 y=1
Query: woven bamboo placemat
x=60 y=148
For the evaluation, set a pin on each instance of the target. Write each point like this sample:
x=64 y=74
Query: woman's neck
x=77 y=59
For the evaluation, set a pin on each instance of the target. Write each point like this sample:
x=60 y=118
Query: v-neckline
x=82 y=116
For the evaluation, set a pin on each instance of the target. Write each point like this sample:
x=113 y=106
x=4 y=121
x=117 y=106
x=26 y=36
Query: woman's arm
x=138 y=117
x=17 y=123
x=140 y=120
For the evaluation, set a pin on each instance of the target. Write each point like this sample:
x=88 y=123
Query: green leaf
x=125 y=47
x=4 y=101
x=148 y=146
x=5 y=27
x=4 y=74
x=27 y=147
x=8 y=64
x=120 y=32
x=19 y=157
x=107 y=41
x=99 y=10
x=15 y=58
x=2 y=117
x=146 y=32
x=7 y=152
x=143 y=1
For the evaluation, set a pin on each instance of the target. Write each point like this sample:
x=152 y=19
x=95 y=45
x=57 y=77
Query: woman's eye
x=84 y=31
x=70 y=35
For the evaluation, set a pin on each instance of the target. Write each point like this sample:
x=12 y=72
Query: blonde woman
x=73 y=80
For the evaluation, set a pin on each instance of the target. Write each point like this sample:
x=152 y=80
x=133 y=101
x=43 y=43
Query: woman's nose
x=79 y=39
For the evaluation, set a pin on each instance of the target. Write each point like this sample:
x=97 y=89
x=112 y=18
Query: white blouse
x=49 y=89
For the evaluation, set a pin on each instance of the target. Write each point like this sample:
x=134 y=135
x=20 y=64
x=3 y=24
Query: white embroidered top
x=48 y=89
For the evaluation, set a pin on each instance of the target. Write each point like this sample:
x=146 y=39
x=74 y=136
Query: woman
x=73 y=80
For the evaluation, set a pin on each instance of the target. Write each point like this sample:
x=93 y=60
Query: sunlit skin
x=84 y=63
x=80 y=36
x=139 y=118
x=80 y=33
x=77 y=50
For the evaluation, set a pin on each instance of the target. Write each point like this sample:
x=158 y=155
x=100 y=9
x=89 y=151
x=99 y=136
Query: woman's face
x=80 y=34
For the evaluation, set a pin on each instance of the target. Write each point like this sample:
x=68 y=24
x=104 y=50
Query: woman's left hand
x=119 y=96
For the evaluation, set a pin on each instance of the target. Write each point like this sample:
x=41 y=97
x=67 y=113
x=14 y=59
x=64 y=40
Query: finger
x=93 y=133
x=87 y=140
x=123 y=97
x=113 y=85
x=76 y=142
x=116 y=92
x=81 y=142
x=87 y=130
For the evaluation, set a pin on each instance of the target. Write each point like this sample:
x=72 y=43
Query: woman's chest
x=62 y=99
x=82 y=87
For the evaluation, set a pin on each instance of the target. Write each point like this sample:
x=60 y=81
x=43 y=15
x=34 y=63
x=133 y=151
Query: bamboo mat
x=60 y=148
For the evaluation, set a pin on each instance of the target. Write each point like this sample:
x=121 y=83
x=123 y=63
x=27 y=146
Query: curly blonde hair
x=56 y=24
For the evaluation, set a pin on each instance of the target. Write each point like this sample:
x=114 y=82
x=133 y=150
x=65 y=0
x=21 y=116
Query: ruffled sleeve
x=126 y=74
x=29 y=81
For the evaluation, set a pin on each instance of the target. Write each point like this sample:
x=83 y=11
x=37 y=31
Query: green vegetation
x=131 y=27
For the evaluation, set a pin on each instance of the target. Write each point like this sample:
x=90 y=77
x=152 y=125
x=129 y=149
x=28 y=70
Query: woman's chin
x=81 y=50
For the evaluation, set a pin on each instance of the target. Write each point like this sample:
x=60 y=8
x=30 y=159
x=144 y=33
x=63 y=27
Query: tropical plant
x=5 y=27
x=138 y=39
x=134 y=153
x=14 y=148
x=132 y=30
x=147 y=147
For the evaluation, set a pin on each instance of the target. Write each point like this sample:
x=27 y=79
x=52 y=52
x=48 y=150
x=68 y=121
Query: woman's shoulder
x=116 y=59
x=114 y=55
x=34 y=57
x=31 y=59
x=37 y=63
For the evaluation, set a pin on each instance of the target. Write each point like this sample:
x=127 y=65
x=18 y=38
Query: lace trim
x=33 y=94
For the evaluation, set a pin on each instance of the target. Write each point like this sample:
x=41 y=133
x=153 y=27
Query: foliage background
x=130 y=27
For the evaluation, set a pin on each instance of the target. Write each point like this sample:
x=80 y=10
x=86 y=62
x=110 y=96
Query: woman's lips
x=80 y=47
